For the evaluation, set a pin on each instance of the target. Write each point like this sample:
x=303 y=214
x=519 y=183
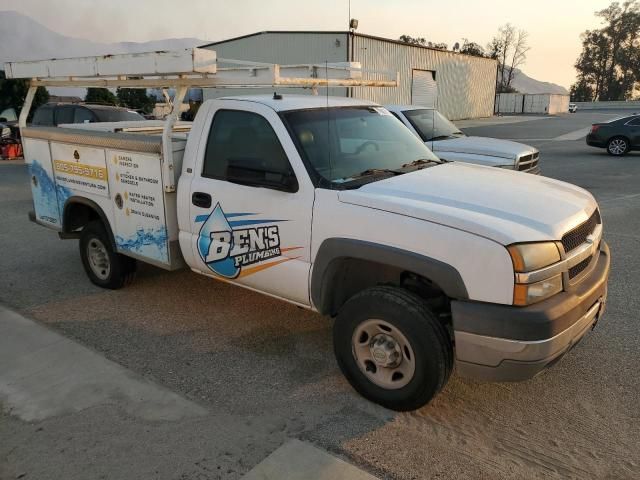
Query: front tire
x=104 y=266
x=618 y=146
x=392 y=348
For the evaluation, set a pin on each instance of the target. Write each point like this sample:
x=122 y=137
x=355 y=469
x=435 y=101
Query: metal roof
x=339 y=32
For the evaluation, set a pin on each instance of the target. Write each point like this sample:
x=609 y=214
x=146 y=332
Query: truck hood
x=502 y=205
x=482 y=146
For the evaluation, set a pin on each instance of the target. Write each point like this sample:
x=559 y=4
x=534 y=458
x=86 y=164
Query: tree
x=14 y=91
x=136 y=99
x=472 y=48
x=100 y=95
x=413 y=41
x=421 y=41
x=609 y=65
x=438 y=46
x=509 y=47
x=581 y=91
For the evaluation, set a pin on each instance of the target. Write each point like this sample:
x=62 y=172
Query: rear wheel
x=392 y=348
x=103 y=265
x=618 y=146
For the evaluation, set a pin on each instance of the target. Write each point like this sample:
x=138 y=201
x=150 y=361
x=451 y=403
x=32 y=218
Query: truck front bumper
x=504 y=343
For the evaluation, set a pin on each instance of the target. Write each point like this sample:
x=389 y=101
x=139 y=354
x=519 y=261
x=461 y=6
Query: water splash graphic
x=148 y=243
x=48 y=198
x=216 y=222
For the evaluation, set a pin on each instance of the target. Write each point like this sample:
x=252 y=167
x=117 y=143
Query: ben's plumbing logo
x=228 y=246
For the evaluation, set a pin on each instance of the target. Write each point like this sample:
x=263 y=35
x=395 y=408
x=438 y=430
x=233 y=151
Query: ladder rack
x=184 y=69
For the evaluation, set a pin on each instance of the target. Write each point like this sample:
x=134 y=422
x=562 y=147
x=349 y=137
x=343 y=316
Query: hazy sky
x=554 y=25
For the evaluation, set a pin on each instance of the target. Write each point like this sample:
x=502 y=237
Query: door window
x=82 y=115
x=246 y=137
x=64 y=114
x=43 y=116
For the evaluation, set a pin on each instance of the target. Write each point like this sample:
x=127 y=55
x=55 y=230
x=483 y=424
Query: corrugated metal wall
x=466 y=84
x=283 y=48
x=532 y=103
x=510 y=103
x=558 y=104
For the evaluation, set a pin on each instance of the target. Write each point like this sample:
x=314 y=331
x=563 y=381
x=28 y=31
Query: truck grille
x=576 y=237
x=579 y=268
x=529 y=163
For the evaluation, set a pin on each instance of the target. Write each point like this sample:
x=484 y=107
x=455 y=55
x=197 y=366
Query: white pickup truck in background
x=449 y=143
x=330 y=204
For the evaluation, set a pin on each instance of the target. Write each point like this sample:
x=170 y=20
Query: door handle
x=201 y=199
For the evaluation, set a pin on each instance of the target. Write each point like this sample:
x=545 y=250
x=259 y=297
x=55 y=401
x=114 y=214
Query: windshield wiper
x=420 y=162
x=377 y=171
x=439 y=137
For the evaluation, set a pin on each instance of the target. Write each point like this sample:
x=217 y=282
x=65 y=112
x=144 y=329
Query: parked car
x=54 y=114
x=573 y=108
x=449 y=143
x=618 y=136
x=8 y=123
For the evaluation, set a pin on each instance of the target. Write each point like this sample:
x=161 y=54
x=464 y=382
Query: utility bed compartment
x=121 y=173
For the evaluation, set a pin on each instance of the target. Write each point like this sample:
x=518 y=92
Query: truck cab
x=331 y=202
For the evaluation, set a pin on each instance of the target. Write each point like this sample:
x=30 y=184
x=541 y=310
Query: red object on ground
x=12 y=150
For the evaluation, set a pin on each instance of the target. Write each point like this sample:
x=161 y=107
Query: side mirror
x=3 y=120
x=249 y=171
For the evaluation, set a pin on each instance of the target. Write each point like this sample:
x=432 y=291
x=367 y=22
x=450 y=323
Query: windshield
x=105 y=115
x=346 y=144
x=431 y=124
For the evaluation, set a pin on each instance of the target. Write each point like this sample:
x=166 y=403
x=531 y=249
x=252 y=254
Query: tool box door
x=43 y=186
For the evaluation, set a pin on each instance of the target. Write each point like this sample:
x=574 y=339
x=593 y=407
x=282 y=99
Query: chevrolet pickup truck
x=331 y=204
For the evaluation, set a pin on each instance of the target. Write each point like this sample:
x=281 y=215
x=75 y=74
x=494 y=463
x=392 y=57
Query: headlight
x=529 y=257
x=528 y=293
x=533 y=256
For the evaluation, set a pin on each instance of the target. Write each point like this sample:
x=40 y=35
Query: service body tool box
x=121 y=173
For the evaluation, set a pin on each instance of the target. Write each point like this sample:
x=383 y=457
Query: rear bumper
x=506 y=343
x=594 y=141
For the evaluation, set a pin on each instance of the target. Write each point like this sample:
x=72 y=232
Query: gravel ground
x=268 y=367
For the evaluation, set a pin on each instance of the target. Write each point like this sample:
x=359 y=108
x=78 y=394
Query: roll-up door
x=424 y=90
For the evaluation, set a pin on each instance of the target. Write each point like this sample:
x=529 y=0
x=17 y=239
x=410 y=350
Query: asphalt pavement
x=265 y=373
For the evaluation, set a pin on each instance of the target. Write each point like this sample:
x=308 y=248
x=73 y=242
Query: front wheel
x=392 y=348
x=104 y=266
x=617 y=146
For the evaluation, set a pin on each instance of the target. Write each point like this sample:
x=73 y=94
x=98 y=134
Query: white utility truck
x=330 y=204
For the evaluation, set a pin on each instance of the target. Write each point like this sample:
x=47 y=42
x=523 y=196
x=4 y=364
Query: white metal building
x=460 y=86
x=548 y=103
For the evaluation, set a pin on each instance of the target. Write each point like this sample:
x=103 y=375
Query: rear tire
x=617 y=146
x=104 y=266
x=416 y=355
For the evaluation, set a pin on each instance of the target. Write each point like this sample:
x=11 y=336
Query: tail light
x=594 y=128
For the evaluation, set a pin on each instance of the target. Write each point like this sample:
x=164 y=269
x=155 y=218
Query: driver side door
x=251 y=203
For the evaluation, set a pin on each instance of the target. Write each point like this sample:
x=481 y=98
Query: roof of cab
x=300 y=102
